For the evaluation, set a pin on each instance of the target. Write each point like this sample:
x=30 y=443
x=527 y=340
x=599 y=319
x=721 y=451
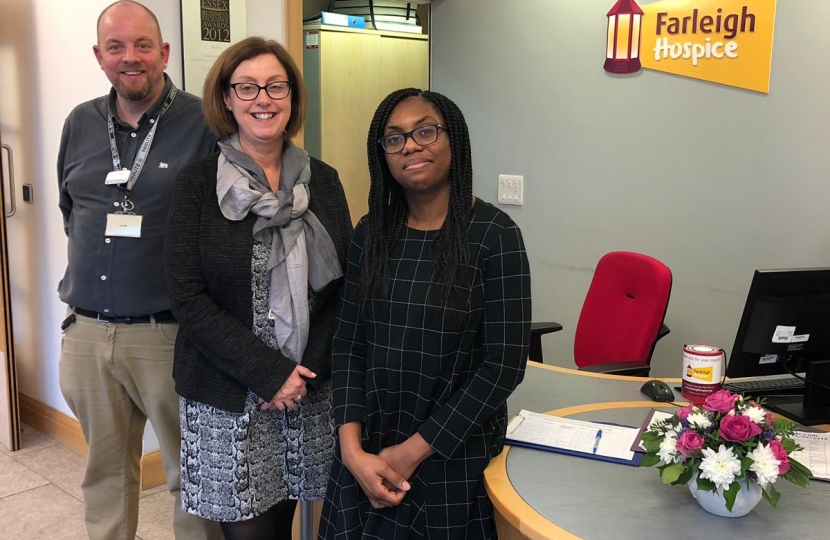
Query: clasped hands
x=292 y=391
x=383 y=477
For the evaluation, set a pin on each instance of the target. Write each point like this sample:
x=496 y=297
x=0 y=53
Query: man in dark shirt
x=119 y=156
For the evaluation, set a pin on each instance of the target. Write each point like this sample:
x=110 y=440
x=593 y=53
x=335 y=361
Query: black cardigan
x=208 y=264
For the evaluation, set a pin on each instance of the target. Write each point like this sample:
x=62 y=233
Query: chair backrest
x=623 y=310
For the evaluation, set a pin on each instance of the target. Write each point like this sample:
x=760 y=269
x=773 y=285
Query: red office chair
x=622 y=316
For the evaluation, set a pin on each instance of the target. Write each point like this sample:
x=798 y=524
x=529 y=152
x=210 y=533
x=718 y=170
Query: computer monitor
x=785 y=328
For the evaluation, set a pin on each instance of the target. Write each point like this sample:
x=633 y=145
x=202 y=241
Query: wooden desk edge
x=514 y=509
x=571 y=371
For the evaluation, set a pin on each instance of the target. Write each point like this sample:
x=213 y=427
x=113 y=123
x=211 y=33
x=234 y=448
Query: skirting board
x=66 y=429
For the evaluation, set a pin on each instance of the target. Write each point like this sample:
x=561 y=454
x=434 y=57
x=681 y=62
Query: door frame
x=6 y=328
x=294 y=45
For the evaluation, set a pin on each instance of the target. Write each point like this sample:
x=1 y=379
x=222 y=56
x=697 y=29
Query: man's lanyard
x=138 y=164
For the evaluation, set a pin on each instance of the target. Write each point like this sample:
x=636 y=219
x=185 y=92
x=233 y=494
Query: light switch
x=511 y=189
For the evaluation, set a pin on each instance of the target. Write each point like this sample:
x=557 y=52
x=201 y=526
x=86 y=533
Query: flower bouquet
x=726 y=442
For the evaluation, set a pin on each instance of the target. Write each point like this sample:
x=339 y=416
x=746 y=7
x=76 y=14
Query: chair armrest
x=537 y=330
x=541 y=328
x=635 y=369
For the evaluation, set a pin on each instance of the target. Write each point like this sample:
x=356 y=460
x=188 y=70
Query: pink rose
x=738 y=428
x=781 y=455
x=690 y=441
x=721 y=401
x=684 y=412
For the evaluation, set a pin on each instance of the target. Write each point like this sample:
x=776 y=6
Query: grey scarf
x=302 y=252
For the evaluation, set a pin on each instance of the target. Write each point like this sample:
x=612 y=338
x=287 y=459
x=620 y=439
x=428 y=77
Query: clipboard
x=574 y=437
x=633 y=462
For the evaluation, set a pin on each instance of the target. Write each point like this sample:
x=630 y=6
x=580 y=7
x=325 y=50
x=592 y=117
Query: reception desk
x=544 y=495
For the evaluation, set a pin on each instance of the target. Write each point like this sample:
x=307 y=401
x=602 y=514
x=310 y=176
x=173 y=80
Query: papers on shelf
x=388 y=15
x=816 y=453
x=397 y=27
x=576 y=437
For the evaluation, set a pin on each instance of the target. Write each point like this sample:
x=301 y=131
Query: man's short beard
x=135 y=94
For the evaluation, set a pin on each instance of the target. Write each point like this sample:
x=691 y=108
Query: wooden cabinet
x=348 y=72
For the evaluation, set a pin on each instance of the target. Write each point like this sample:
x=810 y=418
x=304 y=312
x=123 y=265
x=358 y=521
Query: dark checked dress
x=409 y=364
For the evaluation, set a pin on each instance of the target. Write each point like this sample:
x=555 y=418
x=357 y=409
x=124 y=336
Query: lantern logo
x=623 y=41
x=723 y=41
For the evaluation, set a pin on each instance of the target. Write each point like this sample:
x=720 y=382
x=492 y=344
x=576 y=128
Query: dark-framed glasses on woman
x=248 y=91
x=422 y=135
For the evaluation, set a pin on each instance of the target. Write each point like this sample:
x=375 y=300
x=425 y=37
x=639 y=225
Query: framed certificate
x=208 y=28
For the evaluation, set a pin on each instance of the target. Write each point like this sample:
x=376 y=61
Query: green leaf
x=772 y=497
x=652 y=436
x=649 y=460
x=651 y=442
x=745 y=464
x=784 y=427
x=671 y=473
x=789 y=445
x=685 y=477
x=798 y=474
x=730 y=495
x=705 y=484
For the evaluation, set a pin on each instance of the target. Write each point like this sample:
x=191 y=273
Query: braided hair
x=388 y=208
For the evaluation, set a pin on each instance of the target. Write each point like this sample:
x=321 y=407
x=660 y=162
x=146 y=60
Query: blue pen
x=596 y=441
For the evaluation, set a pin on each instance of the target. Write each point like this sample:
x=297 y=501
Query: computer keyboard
x=766 y=387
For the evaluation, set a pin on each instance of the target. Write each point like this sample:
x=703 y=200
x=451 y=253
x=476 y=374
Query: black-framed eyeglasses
x=422 y=135
x=248 y=91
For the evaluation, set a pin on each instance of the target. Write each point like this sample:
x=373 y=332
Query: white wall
x=715 y=181
x=47 y=69
x=266 y=18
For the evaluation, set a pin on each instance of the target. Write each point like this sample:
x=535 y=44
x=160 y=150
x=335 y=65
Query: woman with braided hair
x=432 y=336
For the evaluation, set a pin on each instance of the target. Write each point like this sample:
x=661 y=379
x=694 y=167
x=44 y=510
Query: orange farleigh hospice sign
x=722 y=41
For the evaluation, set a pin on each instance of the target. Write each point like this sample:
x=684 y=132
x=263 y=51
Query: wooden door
x=9 y=411
x=349 y=95
x=404 y=63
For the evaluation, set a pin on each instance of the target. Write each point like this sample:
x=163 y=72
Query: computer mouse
x=657 y=391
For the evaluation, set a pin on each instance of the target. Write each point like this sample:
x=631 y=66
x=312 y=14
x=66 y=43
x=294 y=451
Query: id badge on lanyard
x=125 y=222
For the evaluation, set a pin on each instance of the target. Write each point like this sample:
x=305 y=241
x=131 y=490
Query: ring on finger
x=299 y=397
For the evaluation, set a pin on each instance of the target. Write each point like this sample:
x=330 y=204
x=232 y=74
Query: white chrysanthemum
x=720 y=467
x=756 y=414
x=765 y=464
x=699 y=419
x=668 y=450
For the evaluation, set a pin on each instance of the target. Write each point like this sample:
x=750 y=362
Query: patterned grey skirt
x=236 y=466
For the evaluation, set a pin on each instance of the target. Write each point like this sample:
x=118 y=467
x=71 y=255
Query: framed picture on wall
x=208 y=28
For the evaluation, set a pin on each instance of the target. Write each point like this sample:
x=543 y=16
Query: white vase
x=713 y=501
